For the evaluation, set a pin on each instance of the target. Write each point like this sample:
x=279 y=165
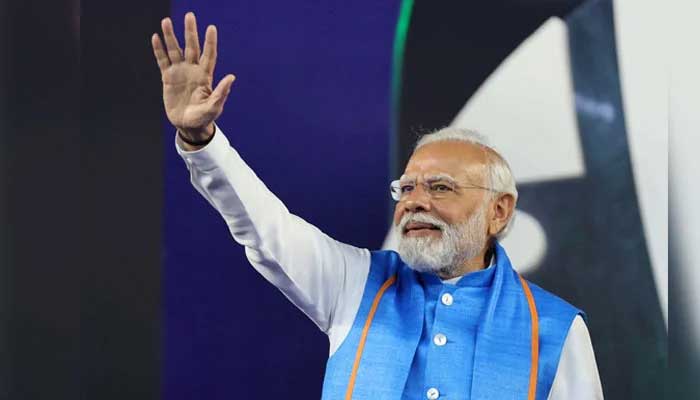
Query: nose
x=417 y=200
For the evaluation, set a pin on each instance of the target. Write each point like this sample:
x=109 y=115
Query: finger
x=174 y=50
x=159 y=52
x=191 y=38
x=208 y=60
x=220 y=93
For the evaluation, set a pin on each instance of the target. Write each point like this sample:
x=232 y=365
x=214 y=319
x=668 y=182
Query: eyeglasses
x=438 y=187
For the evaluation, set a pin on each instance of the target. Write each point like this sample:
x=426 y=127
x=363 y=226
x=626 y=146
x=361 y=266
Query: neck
x=481 y=261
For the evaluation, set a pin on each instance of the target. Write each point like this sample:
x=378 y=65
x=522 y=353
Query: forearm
x=306 y=265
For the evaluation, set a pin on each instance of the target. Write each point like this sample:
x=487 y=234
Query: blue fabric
x=458 y=322
x=487 y=354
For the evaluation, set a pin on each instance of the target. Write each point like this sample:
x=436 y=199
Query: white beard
x=445 y=255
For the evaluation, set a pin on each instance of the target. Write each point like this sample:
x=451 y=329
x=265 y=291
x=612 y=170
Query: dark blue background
x=310 y=113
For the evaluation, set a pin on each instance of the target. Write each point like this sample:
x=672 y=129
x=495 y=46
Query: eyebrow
x=441 y=177
x=431 y=178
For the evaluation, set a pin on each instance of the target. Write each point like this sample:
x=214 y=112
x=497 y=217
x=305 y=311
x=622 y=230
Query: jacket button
x=433 y=394
x=447 y=299
x=440 y=339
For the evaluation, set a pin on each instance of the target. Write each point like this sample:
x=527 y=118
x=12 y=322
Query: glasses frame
x=395 y=186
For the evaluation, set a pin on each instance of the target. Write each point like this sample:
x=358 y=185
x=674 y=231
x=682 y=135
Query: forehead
x=456 y=158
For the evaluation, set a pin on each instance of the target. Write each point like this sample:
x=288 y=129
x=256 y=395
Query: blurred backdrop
x=39 y=190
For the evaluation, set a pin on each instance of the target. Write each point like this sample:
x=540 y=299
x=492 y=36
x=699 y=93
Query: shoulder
x=548 y=304
x=556 y=315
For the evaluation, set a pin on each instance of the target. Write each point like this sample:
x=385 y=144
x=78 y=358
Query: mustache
x=421 y=218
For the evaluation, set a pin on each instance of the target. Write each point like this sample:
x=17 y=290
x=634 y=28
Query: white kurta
x=321 y=276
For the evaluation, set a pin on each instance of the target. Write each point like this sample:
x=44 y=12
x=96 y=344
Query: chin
x=425 y=253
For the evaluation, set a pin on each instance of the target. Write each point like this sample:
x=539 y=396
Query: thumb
x=220 y=93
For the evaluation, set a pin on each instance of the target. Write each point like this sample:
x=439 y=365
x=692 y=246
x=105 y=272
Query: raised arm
x=323 y=277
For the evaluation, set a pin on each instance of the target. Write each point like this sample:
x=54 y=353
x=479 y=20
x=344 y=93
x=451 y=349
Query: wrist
x=196 y=139
x=196 y=135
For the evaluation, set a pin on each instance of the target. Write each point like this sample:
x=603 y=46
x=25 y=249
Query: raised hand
x=190 y=103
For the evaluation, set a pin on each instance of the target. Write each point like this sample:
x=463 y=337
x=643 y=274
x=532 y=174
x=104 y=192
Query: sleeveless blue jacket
x=374 y=360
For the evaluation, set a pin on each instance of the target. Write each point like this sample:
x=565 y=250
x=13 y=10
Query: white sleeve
x=577 y=374
x=321 y=276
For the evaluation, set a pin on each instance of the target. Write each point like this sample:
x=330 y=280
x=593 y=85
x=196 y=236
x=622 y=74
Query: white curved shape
x=684 y=163
x=643 y=58
x=526 y=243
x=526 y=108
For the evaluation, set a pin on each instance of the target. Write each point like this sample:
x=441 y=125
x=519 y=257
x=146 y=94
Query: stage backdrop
x=328 y=100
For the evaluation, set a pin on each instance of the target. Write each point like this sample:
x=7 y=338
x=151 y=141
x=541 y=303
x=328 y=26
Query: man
x=448 y=318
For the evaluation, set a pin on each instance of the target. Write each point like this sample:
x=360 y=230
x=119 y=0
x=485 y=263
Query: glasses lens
x=441 y=188
x=395 y=189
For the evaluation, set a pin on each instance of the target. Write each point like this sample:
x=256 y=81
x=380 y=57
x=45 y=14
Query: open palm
x=190 y=102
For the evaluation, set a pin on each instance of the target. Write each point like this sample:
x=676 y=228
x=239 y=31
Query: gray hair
x=498 y=173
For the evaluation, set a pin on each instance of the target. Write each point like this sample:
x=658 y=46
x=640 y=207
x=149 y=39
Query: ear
x=502 y=210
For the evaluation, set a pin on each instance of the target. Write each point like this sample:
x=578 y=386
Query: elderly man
x=446 y=317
